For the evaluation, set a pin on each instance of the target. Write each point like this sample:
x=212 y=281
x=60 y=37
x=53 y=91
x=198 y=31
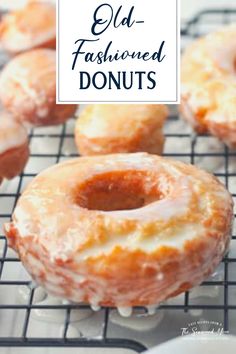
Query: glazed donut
x=121 y=230
x=106 y=129
x=28 y=89
x=209 y=86
x=33 y=26
x=14 y=149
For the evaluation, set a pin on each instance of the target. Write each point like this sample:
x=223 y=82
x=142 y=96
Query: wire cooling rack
x=216 y=299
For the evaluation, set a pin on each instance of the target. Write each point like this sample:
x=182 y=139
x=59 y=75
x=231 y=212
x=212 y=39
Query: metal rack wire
x=61 y=136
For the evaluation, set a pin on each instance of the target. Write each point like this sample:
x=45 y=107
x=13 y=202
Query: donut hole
x=118 y=191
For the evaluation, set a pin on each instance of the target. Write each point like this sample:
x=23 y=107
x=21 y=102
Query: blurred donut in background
x=208 y=98
x=28 y=89
x=120 y=128
x=32 y=26
x=14 y=149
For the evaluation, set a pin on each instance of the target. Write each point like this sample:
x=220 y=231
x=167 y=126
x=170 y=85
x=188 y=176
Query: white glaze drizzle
x=125 y=311
x=152 y=309
x=58 y=315
x=138 y=321
x=23 y=293
x=95 y=307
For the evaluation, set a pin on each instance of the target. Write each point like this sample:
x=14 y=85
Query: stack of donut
x=28 y=81
x=124 y=227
